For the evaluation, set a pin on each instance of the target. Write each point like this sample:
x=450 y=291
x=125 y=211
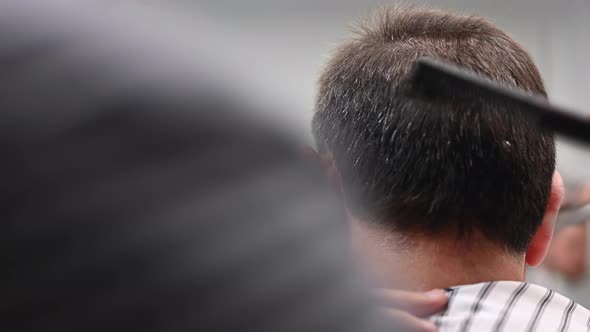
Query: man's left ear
x=540 y=244
x=326 y=160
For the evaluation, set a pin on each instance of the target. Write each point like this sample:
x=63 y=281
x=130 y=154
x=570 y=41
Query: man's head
x=422 y=165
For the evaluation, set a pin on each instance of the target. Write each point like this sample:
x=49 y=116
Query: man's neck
x=429 y=262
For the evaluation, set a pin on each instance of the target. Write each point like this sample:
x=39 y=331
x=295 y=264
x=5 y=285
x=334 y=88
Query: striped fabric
x=510 y=306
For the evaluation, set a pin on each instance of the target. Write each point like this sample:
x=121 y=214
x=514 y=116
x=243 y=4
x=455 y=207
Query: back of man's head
x=425 y=165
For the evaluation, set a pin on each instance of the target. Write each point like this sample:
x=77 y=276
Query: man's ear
x=540 y=243
x=326 y=161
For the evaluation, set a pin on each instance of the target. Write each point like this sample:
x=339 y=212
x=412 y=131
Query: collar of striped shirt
x=511 y=307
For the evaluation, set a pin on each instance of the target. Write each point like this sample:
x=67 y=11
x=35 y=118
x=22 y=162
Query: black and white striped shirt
x=510 y=306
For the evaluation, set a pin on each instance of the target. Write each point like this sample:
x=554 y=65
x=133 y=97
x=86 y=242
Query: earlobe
x=540 y=244
x=310 y=154
x=326 y=161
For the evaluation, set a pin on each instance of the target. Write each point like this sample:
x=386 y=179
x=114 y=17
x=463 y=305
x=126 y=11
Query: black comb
x=434 y=77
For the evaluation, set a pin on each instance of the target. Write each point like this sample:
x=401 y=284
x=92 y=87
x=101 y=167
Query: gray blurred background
x=292 y=39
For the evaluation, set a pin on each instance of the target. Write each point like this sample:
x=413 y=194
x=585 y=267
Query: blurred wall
x=292 y=38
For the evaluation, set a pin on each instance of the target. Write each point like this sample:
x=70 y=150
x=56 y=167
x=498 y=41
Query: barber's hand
x=567 y=254
x=410 y=310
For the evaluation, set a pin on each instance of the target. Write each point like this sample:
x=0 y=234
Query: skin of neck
x=423 y=262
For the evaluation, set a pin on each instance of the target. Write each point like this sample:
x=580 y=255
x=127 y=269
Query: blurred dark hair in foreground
x=138 y=195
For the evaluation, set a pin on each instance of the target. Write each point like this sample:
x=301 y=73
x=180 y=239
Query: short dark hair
x=427 y=165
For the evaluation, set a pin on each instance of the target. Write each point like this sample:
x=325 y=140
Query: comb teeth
x=436 y=78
